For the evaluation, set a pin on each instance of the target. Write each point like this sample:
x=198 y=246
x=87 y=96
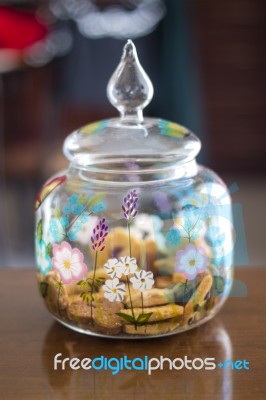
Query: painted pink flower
x=68 y=262
x=190 y=261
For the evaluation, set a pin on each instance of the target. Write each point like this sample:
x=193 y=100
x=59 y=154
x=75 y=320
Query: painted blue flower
x=73 y=219
x=215 y=237
x=219 y=262
x=192 y=213
x=173 y=236
x=72 y=235
x=57 y=229
x=67 y=209
x=44 y=262
x=73 y=205
x=72 y=201
x=64 y=221
x=84 y=218
x=76 y=205
x=77 y=209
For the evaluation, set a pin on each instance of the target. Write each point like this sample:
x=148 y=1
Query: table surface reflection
x=29 y=340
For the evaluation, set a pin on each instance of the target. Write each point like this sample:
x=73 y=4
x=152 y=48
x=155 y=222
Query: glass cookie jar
x=134 y=239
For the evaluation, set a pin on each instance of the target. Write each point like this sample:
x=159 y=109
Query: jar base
x=125 y=336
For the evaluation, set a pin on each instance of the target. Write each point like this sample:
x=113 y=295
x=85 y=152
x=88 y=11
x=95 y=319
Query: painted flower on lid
x=190 y=261
x=68 y=262
x=172 y=129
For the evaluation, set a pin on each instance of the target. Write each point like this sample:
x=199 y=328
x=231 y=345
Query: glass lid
x=130 y=140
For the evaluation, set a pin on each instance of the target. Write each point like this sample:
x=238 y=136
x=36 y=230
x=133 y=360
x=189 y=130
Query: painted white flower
x=128 y=265
x=68 y=262
x=142 y=280
x=114 y=268
x=114 y=290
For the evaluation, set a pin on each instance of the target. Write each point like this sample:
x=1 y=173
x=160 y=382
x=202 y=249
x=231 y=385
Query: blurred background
x=207 y=61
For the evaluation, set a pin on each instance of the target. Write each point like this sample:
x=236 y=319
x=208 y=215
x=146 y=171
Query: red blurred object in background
x=19 y=30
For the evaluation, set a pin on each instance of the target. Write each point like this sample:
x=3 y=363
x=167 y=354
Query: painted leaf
x=44 y=289
x=82 y=200
x=180 y=292
x=128 y=318
x=87 y=297
x=218 y=285
x=47 y=189
x=57 y=213
x=39 y=230
x=82 y=283
x=143 y=318
x=49 y=250
x=99 y=280
x=96 y=199
x=59 y=285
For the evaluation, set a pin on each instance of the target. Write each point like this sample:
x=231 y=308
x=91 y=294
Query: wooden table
x=29 y=340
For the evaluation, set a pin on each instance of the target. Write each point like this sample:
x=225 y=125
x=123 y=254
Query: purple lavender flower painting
x=100 y=233
x=129 y=206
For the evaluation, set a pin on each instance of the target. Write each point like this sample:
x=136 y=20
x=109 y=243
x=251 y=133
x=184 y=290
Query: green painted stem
x=128 y=283
x=58 y=304
x=77 y=217
x=93 y=279
x=185 y=290
x=131 y=304
x=129 y=238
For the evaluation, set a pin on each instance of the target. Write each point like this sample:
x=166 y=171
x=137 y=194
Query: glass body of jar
x=131 y=251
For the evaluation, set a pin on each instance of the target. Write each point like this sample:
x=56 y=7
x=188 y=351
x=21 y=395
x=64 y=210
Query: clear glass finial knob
x=130 y=89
